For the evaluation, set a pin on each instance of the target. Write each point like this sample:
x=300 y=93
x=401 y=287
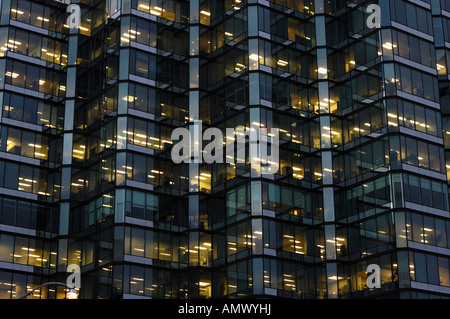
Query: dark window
x=23 y=214
x=9 y=211
x=432 y=270
x=405 y=79
x=11 y=175
x=414 y=49
x=420 y=267
x=414 y=188
x=411 y=16
x=30 y=110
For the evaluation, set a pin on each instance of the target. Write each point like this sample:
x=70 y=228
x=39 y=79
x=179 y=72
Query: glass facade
x=87 y=177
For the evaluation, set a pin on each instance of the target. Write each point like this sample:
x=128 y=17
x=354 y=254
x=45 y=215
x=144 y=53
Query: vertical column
x=66 y=175
x=2 y=85
x=326 y=154
x=196 y=156
x=254 y=150
x=121 y=161
x=121 y=124
x=4 y=19
x=442 y=66
x=5 y=7
x=195 y=127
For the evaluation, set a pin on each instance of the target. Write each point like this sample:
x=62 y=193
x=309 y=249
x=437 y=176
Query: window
x=412 y=82
x=34 y=78
x=413 y=16
x=420 y=267
x=439 y=195
x=441 y=234
x=141 y=95
x=436 y=159
x=426 y=192
x=11 y=175
x=416 y=77
x=429 y=88
x=414 y=49
x=414 y=116
x=142 y=64
x=6 y=247
x=399 y=12
x=417 y=190
x=426 y=53
x=403 y=45
x=411 y=153
x=9 y=211
x=432 y=269
x=405 y=76
x=414 y=189
x=38 y=15
x=443 y=272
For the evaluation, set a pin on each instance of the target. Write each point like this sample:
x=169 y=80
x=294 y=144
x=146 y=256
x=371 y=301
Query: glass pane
x=403 y=46
x=11 y=175
x=406 y=79
x=6 y=247
x=431 y=123
x=138 y=205
x=414 y=49
x=429 y=232
x=434 y=157
x=411 y=15
x=441 y=235
x=443 y=272
x=425 y=54
x=138 y=242
x=417 y=86
x=432 y=269
x=422 y=157
x=420 y=267
x=411 y=152
x=426 y=191
x=420 y=119
x=417 y=228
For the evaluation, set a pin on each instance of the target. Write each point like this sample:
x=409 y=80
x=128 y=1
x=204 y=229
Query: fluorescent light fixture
x=389 y=45
x=12 y=74
x=322 y=70
x=143 y=6
x=254 y=57
x=129 y=98
x=156 y=13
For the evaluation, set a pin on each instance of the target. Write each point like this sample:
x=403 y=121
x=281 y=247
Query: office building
x=87 y=178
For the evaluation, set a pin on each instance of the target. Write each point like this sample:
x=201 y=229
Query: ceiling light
x=322 y=70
